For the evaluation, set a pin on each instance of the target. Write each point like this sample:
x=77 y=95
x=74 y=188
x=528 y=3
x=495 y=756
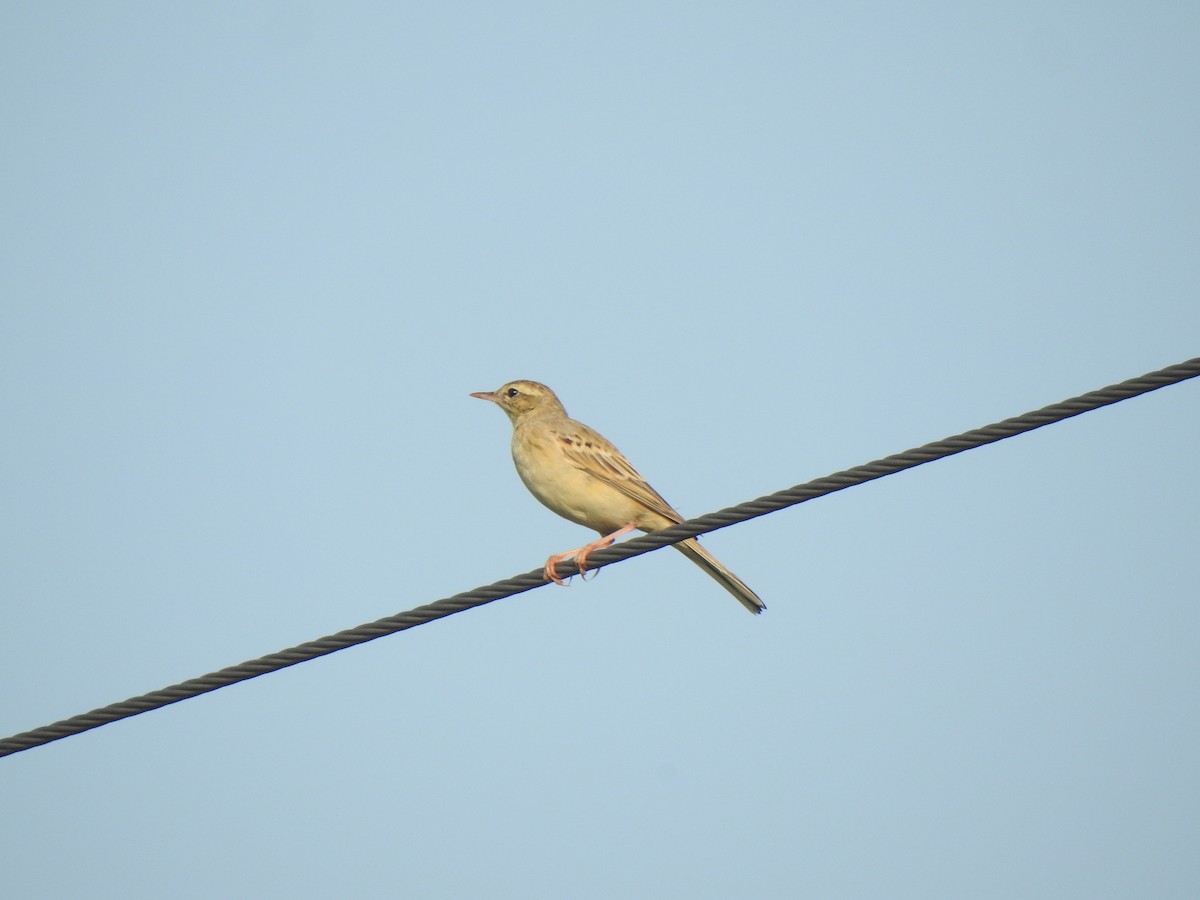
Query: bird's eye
x=512 y=392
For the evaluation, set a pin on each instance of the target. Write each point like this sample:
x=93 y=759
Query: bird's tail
x=706 y=561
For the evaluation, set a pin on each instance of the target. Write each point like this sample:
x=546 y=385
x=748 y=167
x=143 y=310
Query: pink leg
x=581 y=554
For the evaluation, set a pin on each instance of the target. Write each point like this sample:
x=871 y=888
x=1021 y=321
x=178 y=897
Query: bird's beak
x=487 y=395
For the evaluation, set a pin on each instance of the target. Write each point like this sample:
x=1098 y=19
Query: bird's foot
x=581 y=554
x=551 y=571
x=581 y=557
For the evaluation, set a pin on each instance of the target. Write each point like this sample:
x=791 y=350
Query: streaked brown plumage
x=576 y=472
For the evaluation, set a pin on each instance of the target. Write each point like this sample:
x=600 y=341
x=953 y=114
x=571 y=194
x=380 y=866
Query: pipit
x=578 y=474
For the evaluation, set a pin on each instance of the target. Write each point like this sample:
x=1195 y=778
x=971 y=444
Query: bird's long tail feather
x=706 y=561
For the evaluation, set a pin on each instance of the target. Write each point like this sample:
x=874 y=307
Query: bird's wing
x=590 y=451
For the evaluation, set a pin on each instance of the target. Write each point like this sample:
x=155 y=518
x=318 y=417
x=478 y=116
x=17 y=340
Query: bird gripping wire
x=430 y=612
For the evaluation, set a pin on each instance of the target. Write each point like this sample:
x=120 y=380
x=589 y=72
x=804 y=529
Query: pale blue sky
x=255 y=257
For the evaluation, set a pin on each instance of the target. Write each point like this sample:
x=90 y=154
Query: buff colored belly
x=573 y=493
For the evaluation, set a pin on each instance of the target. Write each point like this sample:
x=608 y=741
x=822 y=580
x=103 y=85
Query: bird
x=576 y=472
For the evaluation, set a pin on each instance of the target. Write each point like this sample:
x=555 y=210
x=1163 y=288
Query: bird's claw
x=581 y=559
x=551 y=571
x=580 y=556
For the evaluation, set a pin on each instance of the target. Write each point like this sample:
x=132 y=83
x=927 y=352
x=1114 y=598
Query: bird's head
x=519 y=399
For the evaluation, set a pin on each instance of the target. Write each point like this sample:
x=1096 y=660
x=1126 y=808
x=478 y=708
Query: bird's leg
x=606 y=541
x=582 y=553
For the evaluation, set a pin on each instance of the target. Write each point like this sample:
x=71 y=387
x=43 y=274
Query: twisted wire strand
x=518 y=584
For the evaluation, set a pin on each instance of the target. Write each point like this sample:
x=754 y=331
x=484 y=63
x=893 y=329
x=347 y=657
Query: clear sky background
x=255 y=257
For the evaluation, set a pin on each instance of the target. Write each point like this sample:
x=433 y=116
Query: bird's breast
x=568 y=490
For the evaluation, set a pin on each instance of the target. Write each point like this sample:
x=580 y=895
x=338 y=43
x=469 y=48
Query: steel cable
x=643 y=544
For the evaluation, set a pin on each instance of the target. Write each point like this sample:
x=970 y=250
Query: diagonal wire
x=644 y=544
